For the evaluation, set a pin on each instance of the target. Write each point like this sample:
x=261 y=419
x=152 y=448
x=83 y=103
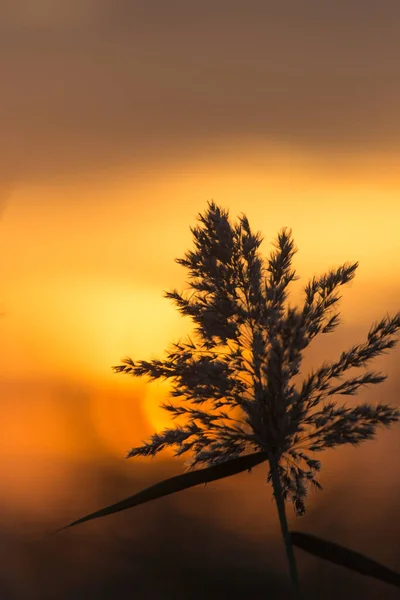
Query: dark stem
x=280 y=504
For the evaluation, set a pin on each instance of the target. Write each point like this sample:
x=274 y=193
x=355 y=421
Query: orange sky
x=84 y=265
x=118 y=124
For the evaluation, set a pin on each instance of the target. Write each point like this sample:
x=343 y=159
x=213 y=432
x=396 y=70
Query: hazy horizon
x=119 y=122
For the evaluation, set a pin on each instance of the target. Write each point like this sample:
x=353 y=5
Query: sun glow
x=83 y=281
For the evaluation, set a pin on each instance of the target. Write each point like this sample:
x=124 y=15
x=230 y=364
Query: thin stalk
x=280 y=504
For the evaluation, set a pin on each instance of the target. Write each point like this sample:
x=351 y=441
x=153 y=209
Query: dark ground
x=156 y=551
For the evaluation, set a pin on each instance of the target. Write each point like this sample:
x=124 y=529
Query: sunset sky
x=119 y=120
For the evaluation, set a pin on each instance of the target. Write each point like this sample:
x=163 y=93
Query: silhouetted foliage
x=248 y=347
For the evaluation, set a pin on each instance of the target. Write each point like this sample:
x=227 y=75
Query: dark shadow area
x=155 y=551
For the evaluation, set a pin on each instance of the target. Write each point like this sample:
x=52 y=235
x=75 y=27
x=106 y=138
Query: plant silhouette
x=248 y=347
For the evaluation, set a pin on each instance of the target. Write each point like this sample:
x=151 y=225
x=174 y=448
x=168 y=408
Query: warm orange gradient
x=84 y=264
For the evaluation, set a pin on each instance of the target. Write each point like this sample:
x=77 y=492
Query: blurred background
x=119 y=121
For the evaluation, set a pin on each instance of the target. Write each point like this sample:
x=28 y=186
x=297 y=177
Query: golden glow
x=84 y=266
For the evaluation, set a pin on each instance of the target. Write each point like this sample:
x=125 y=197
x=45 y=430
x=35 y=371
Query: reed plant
x=232 y=381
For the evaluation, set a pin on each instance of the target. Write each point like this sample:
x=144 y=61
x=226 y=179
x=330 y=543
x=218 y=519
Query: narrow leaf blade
x=344 y=557
x=177 y=484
